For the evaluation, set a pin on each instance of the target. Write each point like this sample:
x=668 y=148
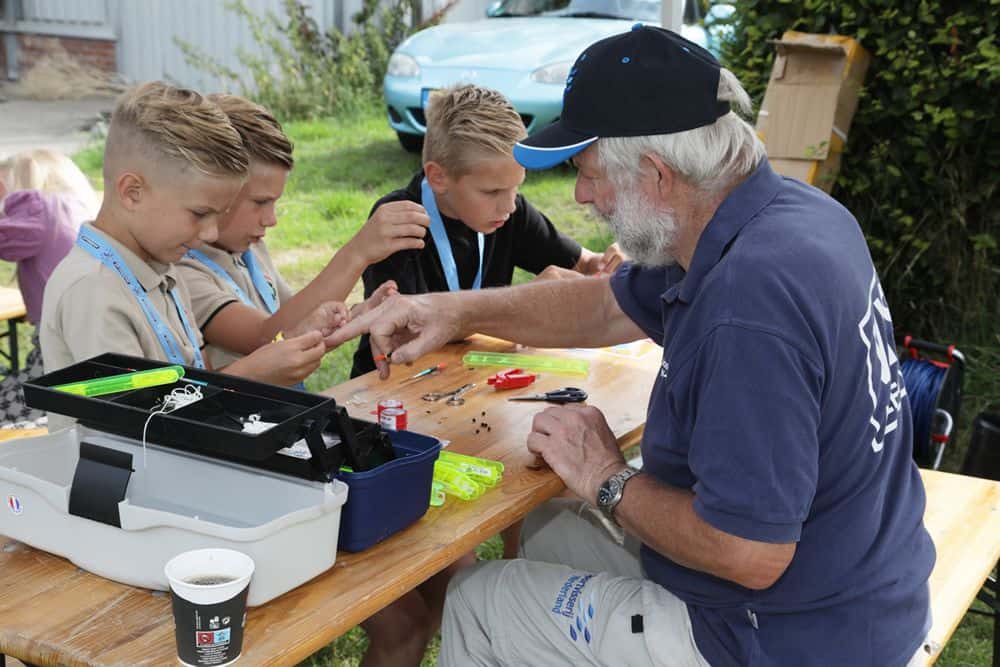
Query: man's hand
x=383 y=292
x=398 y=225
x=577 y=443
x=285 y=362
x=404 y=328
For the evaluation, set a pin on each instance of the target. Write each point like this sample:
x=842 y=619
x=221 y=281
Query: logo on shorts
x=664 y=369
x=581 y=625
x=569 y=605
x=14 y=503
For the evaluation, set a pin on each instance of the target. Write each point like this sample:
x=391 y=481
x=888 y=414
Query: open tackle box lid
x=214 y=425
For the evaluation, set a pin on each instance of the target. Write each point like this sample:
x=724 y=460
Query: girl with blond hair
x=44 y=197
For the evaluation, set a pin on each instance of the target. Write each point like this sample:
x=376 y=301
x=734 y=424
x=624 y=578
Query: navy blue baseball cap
x=642 y=82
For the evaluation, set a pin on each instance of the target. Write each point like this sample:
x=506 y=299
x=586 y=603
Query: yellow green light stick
x=484 y=471
x=455 y=482
x=528 y=362
x=124 y=382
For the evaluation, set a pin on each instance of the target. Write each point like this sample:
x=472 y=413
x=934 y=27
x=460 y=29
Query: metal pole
x=672 y=14
x=996 y=619
x=15 y=364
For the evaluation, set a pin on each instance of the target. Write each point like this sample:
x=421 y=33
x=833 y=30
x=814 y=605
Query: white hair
x=710 y=158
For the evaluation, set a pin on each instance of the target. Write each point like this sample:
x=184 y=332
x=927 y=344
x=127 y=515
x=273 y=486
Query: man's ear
x=437 y=176
x=131 y=189
x=662 y=178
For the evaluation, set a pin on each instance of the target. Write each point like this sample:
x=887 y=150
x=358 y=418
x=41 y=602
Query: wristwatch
x=610 y=492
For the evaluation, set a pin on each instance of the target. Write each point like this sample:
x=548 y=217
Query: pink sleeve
x=25 y=225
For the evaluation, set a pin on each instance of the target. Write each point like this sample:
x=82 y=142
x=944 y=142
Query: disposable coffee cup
x=208 y=588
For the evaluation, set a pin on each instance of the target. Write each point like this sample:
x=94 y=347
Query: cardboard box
x=810 y=100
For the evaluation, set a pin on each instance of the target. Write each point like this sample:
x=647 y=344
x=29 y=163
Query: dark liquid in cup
x=209 y=579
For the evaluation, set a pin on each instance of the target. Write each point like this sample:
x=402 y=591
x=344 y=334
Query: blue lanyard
x=264 y=289
x=110 y=258
x=256 y=276
x=442 y=243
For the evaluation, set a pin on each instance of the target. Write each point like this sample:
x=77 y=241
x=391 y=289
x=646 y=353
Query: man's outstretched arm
x=566 y=313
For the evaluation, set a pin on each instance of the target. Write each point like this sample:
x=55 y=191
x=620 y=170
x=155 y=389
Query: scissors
x=564 y=395
x=454 y=396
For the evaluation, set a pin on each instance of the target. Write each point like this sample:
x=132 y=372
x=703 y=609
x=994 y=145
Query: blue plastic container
x=386 y=499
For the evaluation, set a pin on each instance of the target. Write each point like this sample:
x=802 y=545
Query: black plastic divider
x=213 y=426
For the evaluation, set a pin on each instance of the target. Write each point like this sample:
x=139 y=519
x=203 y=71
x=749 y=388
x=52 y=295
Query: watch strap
x=622 y=477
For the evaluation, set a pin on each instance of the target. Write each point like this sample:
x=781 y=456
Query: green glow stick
x=529 y=362
x=484 y=471
x=455 y=482
x=124 y=382
x=437 y=494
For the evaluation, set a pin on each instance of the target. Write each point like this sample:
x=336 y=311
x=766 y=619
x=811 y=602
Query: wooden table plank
x=11 y=303
x=53 y=613
x=963 y=517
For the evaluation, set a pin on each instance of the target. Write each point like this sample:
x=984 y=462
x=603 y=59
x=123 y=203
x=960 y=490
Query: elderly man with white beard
x=778 y=518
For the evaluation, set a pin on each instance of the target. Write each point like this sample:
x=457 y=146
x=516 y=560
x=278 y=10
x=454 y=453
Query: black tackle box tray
x=213 y=426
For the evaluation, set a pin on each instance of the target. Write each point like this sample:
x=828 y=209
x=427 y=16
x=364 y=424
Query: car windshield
x=632 y=10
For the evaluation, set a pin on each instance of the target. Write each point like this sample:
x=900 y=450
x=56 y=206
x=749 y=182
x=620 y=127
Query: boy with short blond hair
x=239 y=298
x=172 y=165
x=482 y=228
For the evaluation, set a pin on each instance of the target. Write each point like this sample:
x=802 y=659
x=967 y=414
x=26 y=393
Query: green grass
x=343 y=166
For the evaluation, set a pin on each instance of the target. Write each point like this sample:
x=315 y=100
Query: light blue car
x=524 y=49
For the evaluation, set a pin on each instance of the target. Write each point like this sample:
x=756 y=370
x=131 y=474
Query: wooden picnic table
x=12 y=311
x=53 y=613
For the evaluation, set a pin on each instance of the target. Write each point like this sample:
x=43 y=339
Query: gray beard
x=645 y=234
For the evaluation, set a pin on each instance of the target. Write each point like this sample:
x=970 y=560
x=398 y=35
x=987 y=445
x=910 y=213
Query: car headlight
x=555 y=73
x=401 y=64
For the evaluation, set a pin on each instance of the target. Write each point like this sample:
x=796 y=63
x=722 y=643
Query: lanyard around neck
x=109 y=257
x=256 y=277
x=443 y=245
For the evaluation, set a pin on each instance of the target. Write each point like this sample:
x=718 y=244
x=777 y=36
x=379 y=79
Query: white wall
x=145 y=30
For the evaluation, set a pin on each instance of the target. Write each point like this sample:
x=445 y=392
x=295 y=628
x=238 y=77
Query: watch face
x=608 y=491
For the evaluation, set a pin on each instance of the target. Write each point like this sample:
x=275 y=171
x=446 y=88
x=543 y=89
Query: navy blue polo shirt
x=781 y=405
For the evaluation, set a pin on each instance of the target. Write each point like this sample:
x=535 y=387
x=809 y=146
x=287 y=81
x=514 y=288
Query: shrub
x=922 y=163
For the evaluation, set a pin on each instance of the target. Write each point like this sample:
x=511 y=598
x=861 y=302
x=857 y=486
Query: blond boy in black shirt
x=469 y=188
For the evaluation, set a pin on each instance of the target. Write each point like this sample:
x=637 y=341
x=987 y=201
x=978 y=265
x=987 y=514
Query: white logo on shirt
x=882 y=365
x=664 y=369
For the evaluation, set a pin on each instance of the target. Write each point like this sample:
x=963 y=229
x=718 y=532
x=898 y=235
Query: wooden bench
x=12 y=311
x=963 y=518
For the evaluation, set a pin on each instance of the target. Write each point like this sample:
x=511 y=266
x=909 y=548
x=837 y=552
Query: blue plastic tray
x=386 y=499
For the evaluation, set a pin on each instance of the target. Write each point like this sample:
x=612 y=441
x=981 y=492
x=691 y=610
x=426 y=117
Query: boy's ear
x=437 y=177
x=130 y=188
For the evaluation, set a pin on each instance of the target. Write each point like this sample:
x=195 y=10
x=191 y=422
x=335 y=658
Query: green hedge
x=922 y=163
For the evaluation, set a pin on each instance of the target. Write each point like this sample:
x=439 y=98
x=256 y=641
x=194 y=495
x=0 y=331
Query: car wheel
x=413 y=143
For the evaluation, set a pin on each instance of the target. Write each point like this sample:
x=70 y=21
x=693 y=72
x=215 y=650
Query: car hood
x=508 y=43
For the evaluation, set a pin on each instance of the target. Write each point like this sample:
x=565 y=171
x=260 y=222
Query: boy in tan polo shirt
x=172 y=165
x=239 y=298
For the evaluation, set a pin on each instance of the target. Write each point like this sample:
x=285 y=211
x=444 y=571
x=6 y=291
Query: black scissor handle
x=567 y=395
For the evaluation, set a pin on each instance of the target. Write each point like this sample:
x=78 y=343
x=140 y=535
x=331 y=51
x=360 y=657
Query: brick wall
x=96 y=53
